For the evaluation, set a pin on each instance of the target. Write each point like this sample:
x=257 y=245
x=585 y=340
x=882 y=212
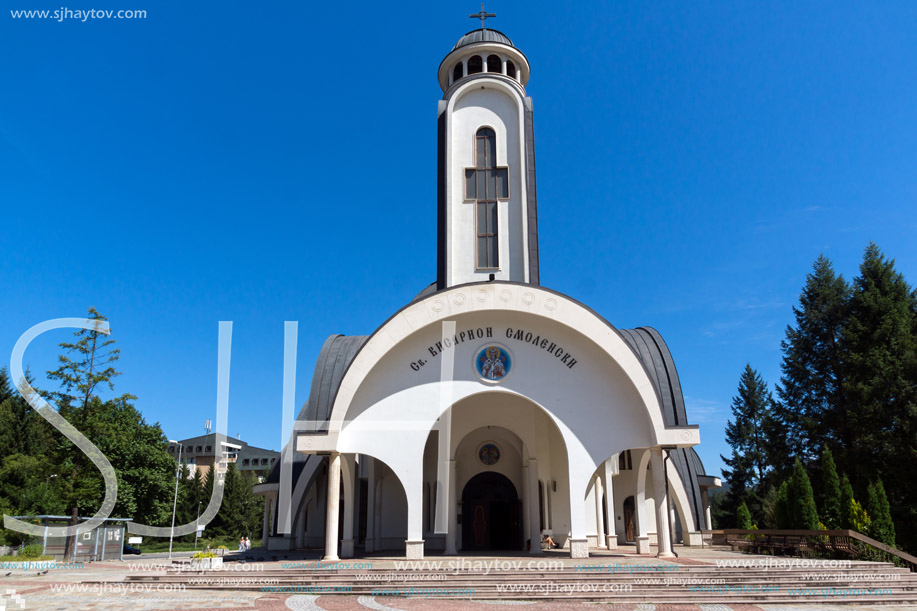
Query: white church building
x=489 y=411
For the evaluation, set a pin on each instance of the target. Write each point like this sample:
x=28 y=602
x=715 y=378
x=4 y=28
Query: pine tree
x=746 y=435
x=743 y=518
x=782 y=512
x=809 y=390
x=846 y=502
x=881 y=528
x=830 y=491
x=880 y=385
x=803 y=514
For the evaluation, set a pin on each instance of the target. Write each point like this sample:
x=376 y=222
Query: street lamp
x=175 y=500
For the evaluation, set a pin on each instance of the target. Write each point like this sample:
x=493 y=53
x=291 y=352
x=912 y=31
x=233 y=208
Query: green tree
x=136 y=450
x=858 y=517
x=241 y=511
x=745 y=433
x=803 y=514
x=810 y=399
x=846 y=502
x=882 y=528
x=829 y=490
x=782 y=513
x=879 y=338
x=743 y=518
x=769 y=505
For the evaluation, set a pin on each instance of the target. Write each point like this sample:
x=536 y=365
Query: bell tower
x=487 y=221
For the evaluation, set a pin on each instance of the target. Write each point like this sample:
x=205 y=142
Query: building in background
x=200 y=453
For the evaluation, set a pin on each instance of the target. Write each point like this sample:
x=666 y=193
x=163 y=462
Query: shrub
x=858 y=518
x=204 y=555
x=31 y=551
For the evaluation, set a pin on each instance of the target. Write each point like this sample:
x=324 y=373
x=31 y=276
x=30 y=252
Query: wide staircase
x=737 y=579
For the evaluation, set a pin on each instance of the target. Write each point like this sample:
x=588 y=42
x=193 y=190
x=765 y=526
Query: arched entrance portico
x=491 y=514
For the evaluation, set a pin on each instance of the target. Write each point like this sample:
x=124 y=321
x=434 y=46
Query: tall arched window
x=475 y=64
x=457 y=72
x=510 y=69
x=494 y=64
x=485 y=184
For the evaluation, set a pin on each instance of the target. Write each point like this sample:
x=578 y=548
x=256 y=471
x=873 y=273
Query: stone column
x=643 y=539
x=661 y=501
x=611 y=537
x=526 y=506
x=370 y=500
x=334 y=503
x=267 y=521
x=599 y=522
x=349 y=498
x=705 y=503
x=452 y=527
x=377 y=520
x=672 y=522
x=534 y=532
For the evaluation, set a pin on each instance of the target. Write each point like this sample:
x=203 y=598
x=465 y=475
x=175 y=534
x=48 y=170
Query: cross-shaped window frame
x=485 y=185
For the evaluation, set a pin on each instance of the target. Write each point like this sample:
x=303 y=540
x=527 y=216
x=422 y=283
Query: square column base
x=695 y=539
x=611 y=541
x=413 y=550
x=347 y=548
x=579 y=548
x=643 y=545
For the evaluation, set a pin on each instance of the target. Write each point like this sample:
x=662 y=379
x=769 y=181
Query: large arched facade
x=576 y=396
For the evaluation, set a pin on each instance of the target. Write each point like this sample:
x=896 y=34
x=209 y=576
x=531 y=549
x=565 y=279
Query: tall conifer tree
x=809 y=389
x=829 y=490
x=879 y=337
x=745 y=433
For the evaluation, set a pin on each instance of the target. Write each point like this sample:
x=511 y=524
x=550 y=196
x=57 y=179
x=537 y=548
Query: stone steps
x=745 y=584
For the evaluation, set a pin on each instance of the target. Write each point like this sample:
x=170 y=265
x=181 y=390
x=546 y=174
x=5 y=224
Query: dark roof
x=657 y=360
x=253 y=452
x=204 y=440
x=429 y=290
x=696 y=461
x=483 y=35
x=334 y=358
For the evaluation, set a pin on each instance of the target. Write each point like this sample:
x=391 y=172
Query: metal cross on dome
x=483 y=15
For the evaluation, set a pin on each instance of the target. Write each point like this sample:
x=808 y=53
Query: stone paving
x=101 y=587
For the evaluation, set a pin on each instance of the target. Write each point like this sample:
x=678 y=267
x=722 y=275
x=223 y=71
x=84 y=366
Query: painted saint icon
x=493 y=363
x=489 y=454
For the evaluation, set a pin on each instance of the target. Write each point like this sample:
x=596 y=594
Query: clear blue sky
x=247 y=162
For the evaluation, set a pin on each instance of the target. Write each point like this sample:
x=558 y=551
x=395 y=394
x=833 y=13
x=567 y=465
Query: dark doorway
x=490 y=514
x=629 y=526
